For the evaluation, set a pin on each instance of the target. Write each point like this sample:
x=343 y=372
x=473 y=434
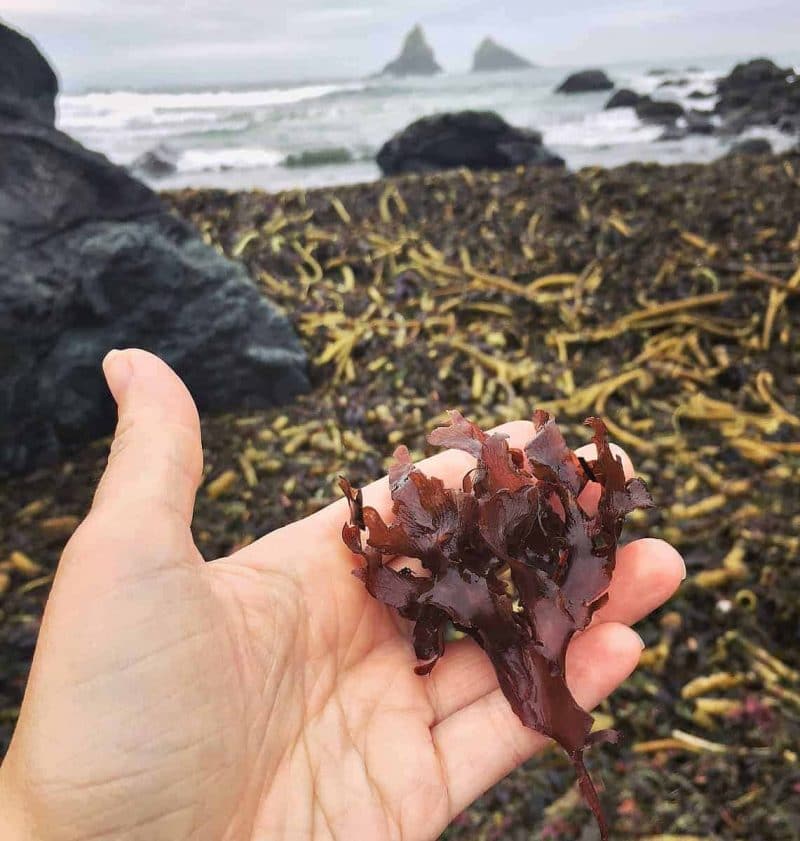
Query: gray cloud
x=154 y=43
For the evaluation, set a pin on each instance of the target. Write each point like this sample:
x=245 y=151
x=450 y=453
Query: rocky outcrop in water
x=416 y=57
x=472 y=139
x=586 y=81
x=156 y=163
x=90 y=259
x=490 y=56
x=658 y=110
x=759 y=93
x=623 y=98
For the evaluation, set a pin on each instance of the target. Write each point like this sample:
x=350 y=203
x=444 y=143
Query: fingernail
x=683 y=577
x=118 y=371
x=641 y=641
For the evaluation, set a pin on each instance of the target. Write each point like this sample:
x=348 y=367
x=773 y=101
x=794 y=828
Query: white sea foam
x=121 y=109
x=602 y=129
x=217 y=160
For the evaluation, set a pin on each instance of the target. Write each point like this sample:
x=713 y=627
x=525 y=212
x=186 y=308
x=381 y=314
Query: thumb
x=156 y=459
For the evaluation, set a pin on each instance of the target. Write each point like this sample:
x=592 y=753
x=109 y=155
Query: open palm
x=264 y=695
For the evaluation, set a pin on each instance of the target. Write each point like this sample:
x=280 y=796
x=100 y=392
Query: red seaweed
x=511 y=558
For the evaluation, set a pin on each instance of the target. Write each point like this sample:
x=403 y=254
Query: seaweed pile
x=665 y=301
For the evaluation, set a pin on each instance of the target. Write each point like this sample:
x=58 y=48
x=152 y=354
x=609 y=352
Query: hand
x=263 y=695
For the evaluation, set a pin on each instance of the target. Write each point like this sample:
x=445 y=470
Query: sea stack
x=491 y=56
x=415 y=59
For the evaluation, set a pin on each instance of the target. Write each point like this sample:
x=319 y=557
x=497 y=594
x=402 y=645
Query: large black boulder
x=416 y=57
x=28 y=85
x=472 y=139
x=759 y=93
x=90 y=259
x=586 y=81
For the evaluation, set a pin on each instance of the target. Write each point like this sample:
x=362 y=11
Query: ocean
x=324 y=133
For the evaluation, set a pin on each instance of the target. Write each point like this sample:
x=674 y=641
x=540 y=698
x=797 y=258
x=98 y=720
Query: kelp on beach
x=665 y=301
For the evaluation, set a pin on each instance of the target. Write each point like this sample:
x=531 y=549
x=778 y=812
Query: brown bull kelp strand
x=498 y=293
x=511 y=558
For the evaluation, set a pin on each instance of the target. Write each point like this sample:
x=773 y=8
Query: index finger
x=450 y=466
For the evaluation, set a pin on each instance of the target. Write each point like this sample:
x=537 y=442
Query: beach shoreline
x=240 y=138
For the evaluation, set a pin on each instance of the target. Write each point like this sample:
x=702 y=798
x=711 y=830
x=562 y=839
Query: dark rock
x=91 y=259
x=659 y=71
x=753 y=73
x=699 y=122
x=759 y=93
x=751 y=146
x=658 y=110
x=698 y=94
x=416 y=57
x=623 y=98
x=586 y=81
x=156 y=163
x=28 y=85
x=674 y=83
x=492 y=56
x=474 y=139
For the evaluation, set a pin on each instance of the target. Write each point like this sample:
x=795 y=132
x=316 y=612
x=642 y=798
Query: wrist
x=15 y=823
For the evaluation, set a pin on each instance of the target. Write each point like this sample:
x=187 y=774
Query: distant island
x=416 y=57
x=490 y=56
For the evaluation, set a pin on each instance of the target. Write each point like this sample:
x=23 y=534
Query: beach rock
x=585 y=81
x=473 y=139
x=751 y=146
x=90 y=259
x=674 y=83
x=416 y=57
x=493 y=56
x=658 y=110
x=28 y=85
x=698 y=94
x=623 y=98
x=156 y=163
x=759 y=93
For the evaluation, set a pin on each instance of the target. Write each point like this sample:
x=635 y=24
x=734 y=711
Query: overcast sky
x=146 y=43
